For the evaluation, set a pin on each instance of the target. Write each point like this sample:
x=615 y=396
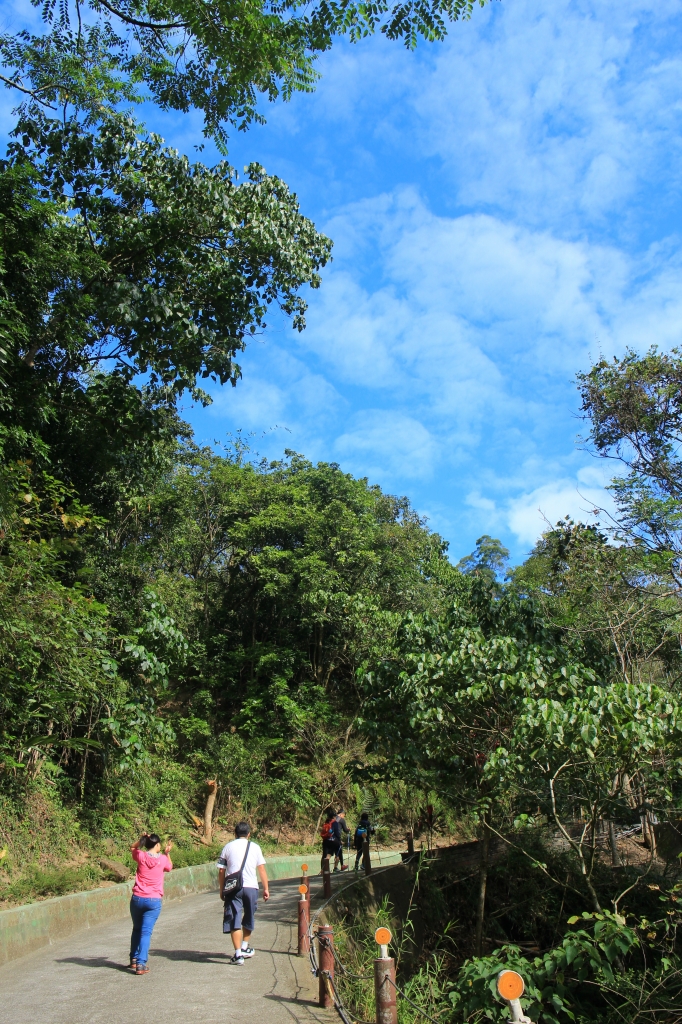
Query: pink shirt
x=149 y=877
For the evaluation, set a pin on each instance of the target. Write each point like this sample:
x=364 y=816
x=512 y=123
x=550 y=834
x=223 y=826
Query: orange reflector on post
x=382 y=936
x=303 y=889
x=510 y=985
x=304 y=867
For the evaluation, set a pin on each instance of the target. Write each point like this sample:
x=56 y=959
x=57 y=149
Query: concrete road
x=84 y=979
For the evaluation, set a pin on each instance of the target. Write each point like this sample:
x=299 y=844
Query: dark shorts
x=240 y=911
x=329 y=847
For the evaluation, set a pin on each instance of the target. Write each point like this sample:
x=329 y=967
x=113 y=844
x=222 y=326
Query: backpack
x=326 y=830
x=234 y=883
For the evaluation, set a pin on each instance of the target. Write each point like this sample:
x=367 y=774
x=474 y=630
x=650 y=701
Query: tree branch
x=165 y=27
x=29 y=92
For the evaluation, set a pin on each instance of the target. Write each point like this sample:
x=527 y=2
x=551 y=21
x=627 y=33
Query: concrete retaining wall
x=23 y=929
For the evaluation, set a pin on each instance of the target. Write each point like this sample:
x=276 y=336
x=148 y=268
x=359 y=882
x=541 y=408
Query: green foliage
x=633 y=405
x=284 y=578
x=489 y=560
x=599 y=592
x=122 y=259
x=555 y=983
x=214 y=630
x=45 y=883
x=512 y=728
x=217 y=57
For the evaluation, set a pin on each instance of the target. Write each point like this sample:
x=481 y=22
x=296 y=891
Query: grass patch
x=188 y=856
x=43 y=883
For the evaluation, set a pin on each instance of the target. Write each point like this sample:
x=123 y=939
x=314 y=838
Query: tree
x=599 y=591
x=488 y=560
x=635 y=411
x=297 y=573
x=71 y=683
x=218 y=621
x=287 y=577
x=217 y=56
x=122 y=261
x=506 y=723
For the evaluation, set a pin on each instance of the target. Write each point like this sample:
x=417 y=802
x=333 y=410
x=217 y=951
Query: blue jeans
x=145 y=913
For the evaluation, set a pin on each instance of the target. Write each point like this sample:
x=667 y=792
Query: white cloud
x=474 y=336
x=530 y=514
x=457 y=312
x=555 y=111
x=563 y=115
x=479 y=317
x=387 y=446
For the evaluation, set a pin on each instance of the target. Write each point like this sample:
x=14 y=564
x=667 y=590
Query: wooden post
x=326 y=879
x=325 y=958
x=366 y=861
x=303 y=922
x=305 y=882
x=384 y=980
x=410 y=842
x=384 y=991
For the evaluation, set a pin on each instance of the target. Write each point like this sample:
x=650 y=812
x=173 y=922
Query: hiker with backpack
x=362 y=833
x=327 y=834
x=339 y=826
x=240 y=865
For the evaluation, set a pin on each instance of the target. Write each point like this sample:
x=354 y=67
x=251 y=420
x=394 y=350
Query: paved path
x=83 y=979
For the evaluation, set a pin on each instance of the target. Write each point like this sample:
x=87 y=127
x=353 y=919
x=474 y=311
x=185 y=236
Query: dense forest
x=189 y=635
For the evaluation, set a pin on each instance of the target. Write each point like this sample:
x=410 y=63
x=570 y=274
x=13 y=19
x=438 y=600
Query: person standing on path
x=362 y=833
x=328 y=841
x=145 y=903
x=339 y=826
x=239 y=915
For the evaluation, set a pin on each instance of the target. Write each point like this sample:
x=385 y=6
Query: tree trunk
x=615 y=856
x=482 y=884
x=652 y=833
x=85 y=757
x=208 y=812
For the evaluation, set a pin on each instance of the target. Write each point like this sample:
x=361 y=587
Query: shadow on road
x=293 y=1002
x=95 y=961
x=193 y=956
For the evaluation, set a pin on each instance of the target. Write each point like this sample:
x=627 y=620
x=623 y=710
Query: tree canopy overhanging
x=216 y=57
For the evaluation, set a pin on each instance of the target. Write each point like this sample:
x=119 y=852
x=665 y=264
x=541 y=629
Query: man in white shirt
x=240 y=909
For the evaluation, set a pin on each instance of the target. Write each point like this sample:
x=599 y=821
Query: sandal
x=133 y=964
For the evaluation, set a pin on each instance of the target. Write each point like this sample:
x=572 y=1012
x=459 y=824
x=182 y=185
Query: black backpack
x=234 y=883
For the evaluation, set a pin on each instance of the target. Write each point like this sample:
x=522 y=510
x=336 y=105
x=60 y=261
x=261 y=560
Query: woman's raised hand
x=168 y=847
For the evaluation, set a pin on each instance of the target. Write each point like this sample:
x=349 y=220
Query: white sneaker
x=237 y=959
x=248 y=952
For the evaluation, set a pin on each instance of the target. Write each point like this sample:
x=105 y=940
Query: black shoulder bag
x=234 y=883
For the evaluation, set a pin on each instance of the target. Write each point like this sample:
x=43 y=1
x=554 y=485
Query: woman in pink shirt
x=145 y=905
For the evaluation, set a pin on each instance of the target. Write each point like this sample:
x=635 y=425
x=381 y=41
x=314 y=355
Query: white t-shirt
x=231 y=858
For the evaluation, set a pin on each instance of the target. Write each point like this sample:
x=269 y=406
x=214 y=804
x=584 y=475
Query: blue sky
x=506 y=206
